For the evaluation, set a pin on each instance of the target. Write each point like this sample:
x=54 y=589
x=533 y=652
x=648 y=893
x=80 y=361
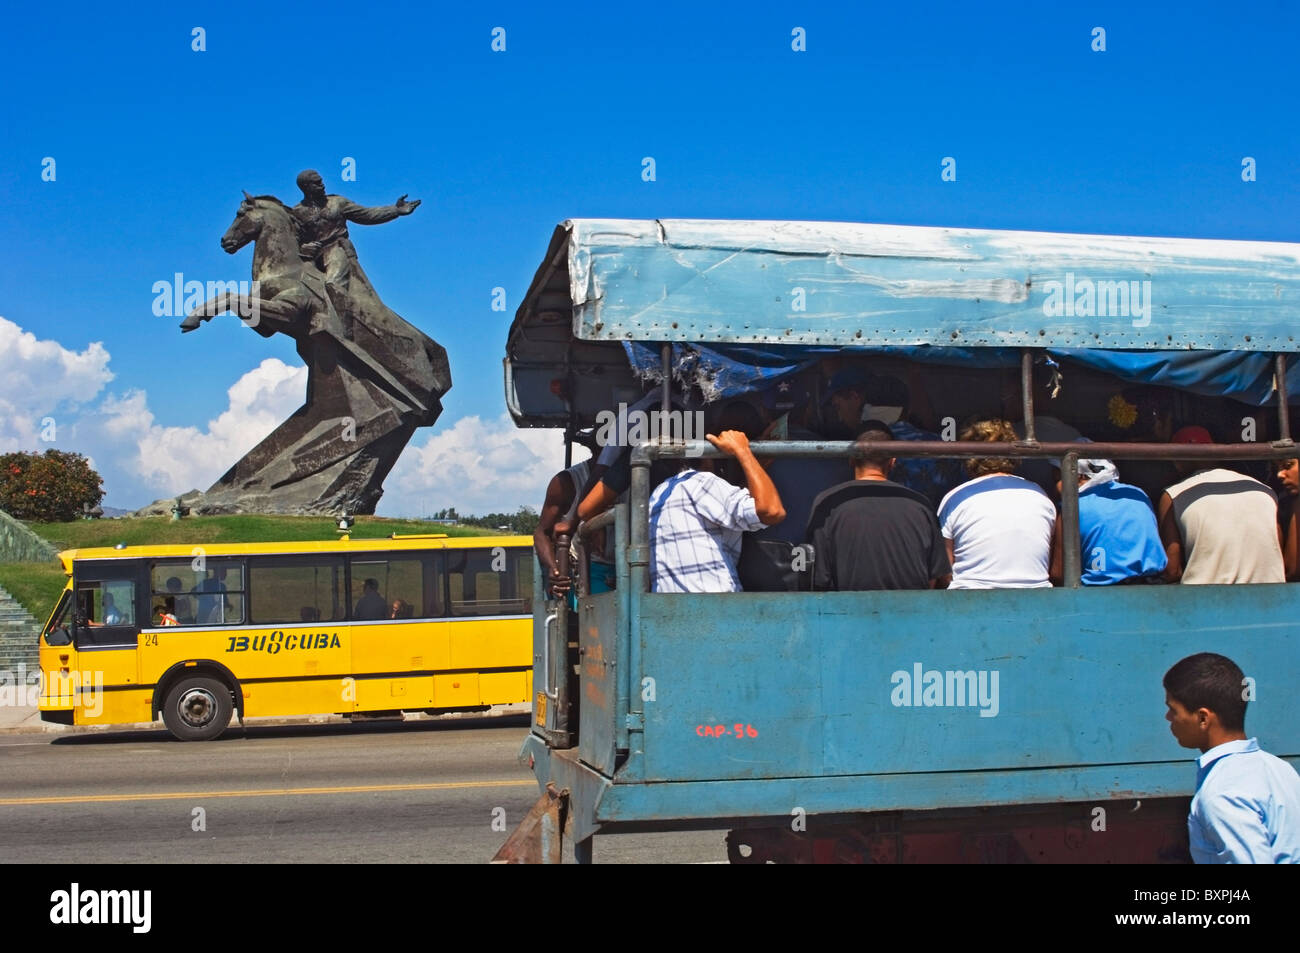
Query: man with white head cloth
x=1117 y=528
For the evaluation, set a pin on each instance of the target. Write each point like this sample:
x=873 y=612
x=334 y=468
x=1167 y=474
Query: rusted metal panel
x=539 y=838
x=598 y=661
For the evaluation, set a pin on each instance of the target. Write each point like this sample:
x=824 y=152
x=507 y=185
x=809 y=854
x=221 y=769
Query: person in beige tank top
x=1219 y=526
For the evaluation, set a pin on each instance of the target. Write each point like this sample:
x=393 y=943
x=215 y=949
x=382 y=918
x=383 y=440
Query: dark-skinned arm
x=767 y=502
x=596 y=502
x=559 y=497
x=1286 y=537
x=1171 y=537
x=1055 y=568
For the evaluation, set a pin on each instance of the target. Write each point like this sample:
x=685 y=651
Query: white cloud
x=40 y=379
x=477 y=466
x=160 y=461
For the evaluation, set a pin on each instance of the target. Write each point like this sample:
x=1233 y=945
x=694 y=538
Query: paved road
x=370 y=793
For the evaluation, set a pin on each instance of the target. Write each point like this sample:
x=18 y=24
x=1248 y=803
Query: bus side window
x=522 y=580
x=435 y=600
x=481 y=582
x=59 y=630
x=400 y=581
x=87 y=604
x=295 y=589
x=459 y=589
x=105 y=613
x=211 y=596
x=181 y=582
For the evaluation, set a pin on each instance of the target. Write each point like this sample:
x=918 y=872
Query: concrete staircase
x=18 y=635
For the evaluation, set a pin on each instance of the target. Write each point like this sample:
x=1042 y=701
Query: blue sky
x=153 y=143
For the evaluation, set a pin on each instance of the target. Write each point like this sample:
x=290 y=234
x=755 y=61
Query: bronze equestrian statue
x=372 y=378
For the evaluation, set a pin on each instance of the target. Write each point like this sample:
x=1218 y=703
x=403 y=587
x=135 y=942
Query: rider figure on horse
x=323 y=234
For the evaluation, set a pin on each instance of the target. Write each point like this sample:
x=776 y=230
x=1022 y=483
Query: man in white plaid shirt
x=697 y=520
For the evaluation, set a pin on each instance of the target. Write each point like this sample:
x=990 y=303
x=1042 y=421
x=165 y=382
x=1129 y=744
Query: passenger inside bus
x=371 y=605
x=182 y=608
x=166 y=613
x=112 y=614
x=212 y=599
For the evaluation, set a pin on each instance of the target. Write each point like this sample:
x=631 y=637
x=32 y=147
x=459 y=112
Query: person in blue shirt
x=1247 y=804
x=112 y=614
x=1117 y=528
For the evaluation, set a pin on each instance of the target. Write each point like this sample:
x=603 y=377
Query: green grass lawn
x=37 y=585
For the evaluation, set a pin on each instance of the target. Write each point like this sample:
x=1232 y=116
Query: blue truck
x=1019 y=725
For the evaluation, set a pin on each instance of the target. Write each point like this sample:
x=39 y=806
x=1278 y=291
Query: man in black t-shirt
x=871 y=533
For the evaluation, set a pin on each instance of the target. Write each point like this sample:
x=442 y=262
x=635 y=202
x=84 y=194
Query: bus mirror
x=58 y=637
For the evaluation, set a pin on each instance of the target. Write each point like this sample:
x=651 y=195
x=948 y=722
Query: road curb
x=31 y=725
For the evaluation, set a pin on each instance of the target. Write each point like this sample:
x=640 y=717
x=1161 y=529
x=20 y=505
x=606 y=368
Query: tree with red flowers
x=52 y=487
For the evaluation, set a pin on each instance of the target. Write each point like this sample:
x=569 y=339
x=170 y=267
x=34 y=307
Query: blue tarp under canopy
x=727 y=370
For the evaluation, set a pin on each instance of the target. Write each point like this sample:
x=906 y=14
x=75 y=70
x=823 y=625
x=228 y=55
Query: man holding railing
x=697 y=521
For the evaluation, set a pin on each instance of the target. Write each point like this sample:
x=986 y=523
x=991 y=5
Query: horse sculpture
x=372 y=379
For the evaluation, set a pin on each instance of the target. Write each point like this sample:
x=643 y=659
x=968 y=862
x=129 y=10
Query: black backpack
x=765 y=566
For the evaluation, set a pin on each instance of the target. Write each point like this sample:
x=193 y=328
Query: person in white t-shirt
x=1001 y=529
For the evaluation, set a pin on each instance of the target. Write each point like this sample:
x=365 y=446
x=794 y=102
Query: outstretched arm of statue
x=378 y=214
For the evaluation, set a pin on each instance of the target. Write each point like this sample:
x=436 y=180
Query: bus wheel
x=197 y=709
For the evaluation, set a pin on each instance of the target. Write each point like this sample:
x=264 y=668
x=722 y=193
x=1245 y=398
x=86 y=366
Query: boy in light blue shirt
x=1247 y=804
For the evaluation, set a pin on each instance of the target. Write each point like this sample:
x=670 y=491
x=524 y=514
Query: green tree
x=521 y=523
x=525 y=521
x=52 y=487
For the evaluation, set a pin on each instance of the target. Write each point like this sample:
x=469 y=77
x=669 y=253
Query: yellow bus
x=197 y=633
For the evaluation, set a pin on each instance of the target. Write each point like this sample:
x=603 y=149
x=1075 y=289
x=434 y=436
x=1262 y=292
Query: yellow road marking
x=267 y=792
